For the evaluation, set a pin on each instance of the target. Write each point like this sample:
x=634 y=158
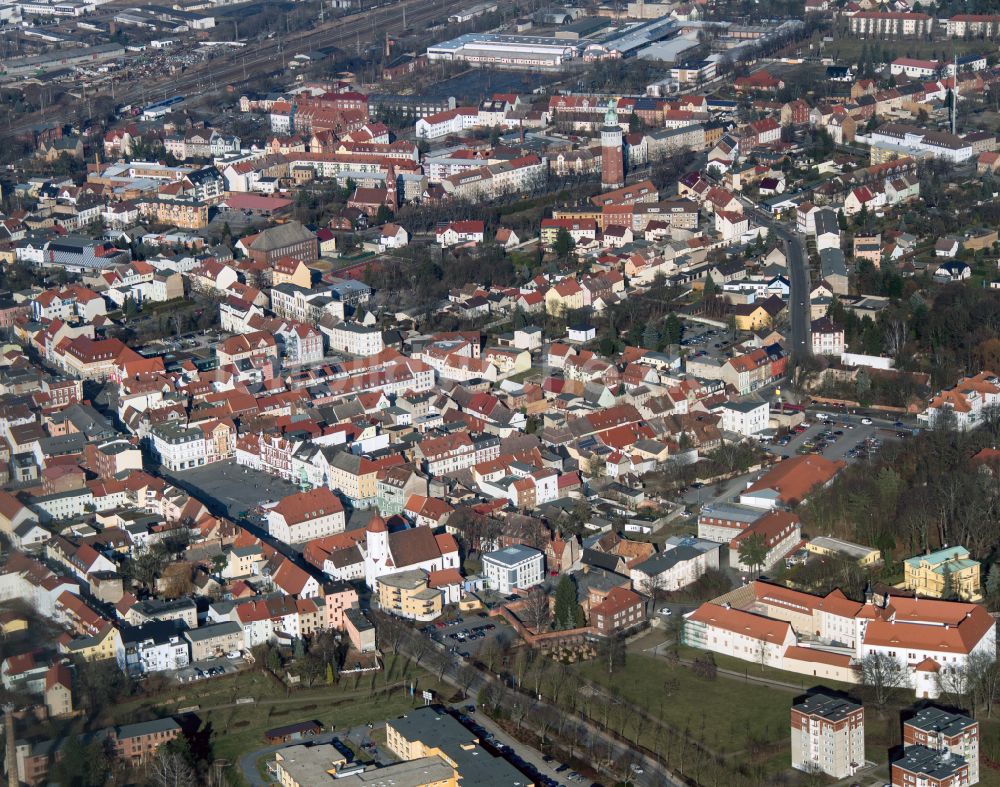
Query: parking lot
x=856 y=442
x=703 y=340
x=466 y=636
x=838 y=437
x=543 y=770
x=207 y=669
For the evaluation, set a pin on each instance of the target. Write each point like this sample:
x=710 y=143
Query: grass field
x=239 y=728
x=848 y=49
x=742 y=721
x=735 y=720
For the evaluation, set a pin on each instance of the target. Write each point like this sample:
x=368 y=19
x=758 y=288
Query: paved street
x=798 y=299
x=798 y=275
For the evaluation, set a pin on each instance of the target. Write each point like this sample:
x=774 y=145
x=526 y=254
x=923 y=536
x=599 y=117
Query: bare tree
x=418 y=646
x=986 y=674
x=466 y=677
x=895 y=336
x=956 y=684
x=522 y=661
x=169 y=769
x=651 y=587
x=613 y=653
x=882 y=674
x=518 y=710
x=491 y=655
x=535 y=612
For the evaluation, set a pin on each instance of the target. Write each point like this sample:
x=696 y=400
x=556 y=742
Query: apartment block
x=941 y=730
x=828 y=735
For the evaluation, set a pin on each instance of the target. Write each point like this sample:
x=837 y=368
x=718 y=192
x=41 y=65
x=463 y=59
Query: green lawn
x=848 y=49
x=239 y=728
x=737 y=721
x=743 y=722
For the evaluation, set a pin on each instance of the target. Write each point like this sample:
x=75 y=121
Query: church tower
x=391 y=198
x=612 y=151
x=377 y=539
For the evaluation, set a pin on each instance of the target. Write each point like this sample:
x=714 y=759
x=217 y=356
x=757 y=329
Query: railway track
x=366 y=29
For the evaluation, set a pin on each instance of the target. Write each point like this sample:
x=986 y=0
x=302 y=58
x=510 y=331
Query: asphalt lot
x=189 y=674
x=837 y=446
x=700 y=339
x=460 y=637
x=853 y=434
x=235 y=488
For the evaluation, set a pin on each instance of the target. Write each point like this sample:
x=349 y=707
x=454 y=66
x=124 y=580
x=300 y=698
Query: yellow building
x=186 y=214
x=289 y=270
x=355 y=476
x=946 y=572
x=99 y=647
x=407 y=595
x=862 y=555
x=751 y=317
x=307 y=766
x=566 y=296
x=11 y=623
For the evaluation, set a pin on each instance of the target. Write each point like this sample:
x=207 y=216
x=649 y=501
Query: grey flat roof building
x=826 y=706
x=474 y=764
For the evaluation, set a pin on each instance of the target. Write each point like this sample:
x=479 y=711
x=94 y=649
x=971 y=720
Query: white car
x=666 y=611
x=866 y=421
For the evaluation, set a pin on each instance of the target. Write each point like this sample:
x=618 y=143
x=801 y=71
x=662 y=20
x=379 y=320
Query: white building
x=152 y=647
x=683 y=561
x=451 y=121
x=178 y=447
x=745 y=418
x=513 y=567
x=905 y=140
x=914 y=69
x=828 y=735
x=735 y=632
x=781 y=532
x=839 y=633
x=827 y=337
x=349 y=337
x=306 y=515
x=384 y=553
x=966 y=402
x=505 y=51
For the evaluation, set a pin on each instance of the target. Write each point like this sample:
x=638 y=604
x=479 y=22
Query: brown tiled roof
x=740 y=622
x=416 y=545
x=304 y=506
x=794 y=478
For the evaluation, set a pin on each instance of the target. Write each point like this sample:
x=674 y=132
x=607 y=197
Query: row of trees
x=975 y=685
x=921 y=493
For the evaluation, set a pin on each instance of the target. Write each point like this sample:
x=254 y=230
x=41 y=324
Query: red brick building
x=620 y=610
